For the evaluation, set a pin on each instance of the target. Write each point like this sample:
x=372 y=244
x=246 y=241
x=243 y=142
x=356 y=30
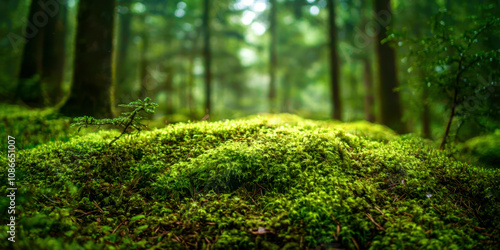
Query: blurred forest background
x=426 y=67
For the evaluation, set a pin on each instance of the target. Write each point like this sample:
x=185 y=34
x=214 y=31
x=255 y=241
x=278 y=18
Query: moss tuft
x=32 y=127
x=485 y=149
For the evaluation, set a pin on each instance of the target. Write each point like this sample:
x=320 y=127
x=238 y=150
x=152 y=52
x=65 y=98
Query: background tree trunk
x=390 y=106
x=368 y=82
x=190 y=85
x=29 y=87
x=143 y=62
x=287 y=89
x=90 y=92
x=207 y=54
x=334 y=63
x=273 y=58
x=426 y=116
x=123 y=88
x=54 y=55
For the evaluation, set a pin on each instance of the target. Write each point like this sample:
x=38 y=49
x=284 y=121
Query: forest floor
x=264 y=182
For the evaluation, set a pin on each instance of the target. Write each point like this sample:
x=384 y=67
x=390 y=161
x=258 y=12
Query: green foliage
x=32 y=127
x=459 y=66
x=260 y=182
x=127 y=120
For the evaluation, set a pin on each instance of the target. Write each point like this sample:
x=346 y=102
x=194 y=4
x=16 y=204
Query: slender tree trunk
x=426 y=116
x=390 y=106
x=123 y=88
x=90 y=93
x=190 y=83
x=169 y=87
x=273 y=57
x=454 y=104
x=29 y=87
x=334 y=63
x=54 y=56
x=424 y=11
x=450 y=120
x=183 y=88
x=144 y=64
x=368 y=82
x=286 y=93
x=207 y=54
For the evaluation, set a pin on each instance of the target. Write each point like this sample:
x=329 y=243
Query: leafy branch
x=126 y=121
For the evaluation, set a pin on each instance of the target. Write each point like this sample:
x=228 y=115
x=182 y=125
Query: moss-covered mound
x=263 y=182
x=32 y=127
x=484 y=149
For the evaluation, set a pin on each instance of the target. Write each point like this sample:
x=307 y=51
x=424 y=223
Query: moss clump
x=255 y=183
x=32 y=127
x=485 y=149
x=365 y=129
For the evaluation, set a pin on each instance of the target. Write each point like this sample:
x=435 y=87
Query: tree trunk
x=425 y=11
x=207 y=55
x=90 y=93
x=190 y=84
x=287 y=87
x=390 y=106
x=144 y=63
x=450 y=119
x=29 y=87
x=426 y=116
x=54 y=56
x=273 y=58
x=169 y=87
x=334 y=63
x=368 y=82
x=123 y=88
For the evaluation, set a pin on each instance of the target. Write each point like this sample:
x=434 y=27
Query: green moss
x=260 y=182
x=365 y=129
x=32 y=127
x=485 y=149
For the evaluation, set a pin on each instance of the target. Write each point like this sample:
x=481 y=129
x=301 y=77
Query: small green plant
x=128 y=121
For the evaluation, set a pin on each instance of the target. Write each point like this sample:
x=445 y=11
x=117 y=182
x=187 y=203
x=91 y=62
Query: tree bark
x=287 y=88
x=390 y=106
x=123 y=88
x=273 y=58
x=368 y=82
x=54 y=56
x=190 y=85
x=450 y=120
x=170 y=89
x=207 y=54
x=29 y=87
x=90 y=93
x=334 y=63
x=426 y=116
x=143 y=62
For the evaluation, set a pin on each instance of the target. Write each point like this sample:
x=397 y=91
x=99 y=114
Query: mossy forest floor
x=264 y=182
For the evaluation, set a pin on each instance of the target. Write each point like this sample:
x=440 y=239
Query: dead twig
x=255 y=203
x=398 y=198
x=355 y=243
x=96 y=205
x=87 y=213
x=372 y=220
x=380 y=211
x=117 y=227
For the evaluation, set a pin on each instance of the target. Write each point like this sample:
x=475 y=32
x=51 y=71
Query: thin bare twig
x=372 y=220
